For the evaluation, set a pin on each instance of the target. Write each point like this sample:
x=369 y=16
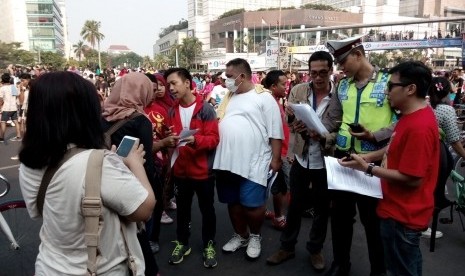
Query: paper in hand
x=306 y=114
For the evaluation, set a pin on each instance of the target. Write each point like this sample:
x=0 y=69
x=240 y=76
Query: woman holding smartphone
x=64 y=113
x=128 y=98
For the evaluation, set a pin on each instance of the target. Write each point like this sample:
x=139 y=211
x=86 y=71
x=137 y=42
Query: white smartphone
x=126 y=145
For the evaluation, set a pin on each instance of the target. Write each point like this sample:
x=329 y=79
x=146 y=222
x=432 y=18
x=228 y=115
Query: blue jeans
x=401 y=248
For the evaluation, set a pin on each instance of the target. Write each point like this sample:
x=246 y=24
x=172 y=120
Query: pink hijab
x=133 y=92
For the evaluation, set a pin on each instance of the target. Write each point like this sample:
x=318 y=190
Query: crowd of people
x=231 y=130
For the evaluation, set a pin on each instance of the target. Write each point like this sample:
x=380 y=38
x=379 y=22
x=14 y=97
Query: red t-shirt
x=158 y=116
x=285 y=144
x=413 y=150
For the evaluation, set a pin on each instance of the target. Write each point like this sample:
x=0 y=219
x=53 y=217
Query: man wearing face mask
x=250 y=146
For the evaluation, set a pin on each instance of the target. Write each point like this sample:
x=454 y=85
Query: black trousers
x=184 y=192
x=300 y=179
x=154 y=229
x=342 y=219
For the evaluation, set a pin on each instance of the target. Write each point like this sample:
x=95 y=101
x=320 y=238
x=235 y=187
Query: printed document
x=306 y=114
x=347 y=179
x=182 y=136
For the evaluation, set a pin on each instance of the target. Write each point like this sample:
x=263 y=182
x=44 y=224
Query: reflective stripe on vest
x=368 y=107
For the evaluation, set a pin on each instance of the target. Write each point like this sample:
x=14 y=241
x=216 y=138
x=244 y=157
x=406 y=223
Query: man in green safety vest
x=365 y=110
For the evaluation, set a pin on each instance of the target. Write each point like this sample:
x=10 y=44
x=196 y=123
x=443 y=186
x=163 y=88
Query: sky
x=134 y=23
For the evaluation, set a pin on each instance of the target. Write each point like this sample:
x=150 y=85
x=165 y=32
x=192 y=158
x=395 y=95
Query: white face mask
x=230 y=84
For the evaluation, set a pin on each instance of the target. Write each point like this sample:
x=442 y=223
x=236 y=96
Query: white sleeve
x=121 y=191
x=272 y=116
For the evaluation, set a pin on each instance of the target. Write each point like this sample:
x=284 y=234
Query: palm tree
x=79 y=49
x=160 y=61
x=191 y=49
x=146 y=62
x=91 y=33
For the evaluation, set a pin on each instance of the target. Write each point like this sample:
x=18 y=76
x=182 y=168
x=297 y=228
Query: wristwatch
x=369 y=171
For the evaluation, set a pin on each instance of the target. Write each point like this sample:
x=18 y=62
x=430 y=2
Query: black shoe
x=338 y=270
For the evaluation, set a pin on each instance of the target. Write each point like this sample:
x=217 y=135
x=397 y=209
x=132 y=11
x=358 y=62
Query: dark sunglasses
x=322 y=73
x=391 y=85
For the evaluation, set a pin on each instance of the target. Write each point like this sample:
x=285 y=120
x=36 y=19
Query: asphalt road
x=448 y=259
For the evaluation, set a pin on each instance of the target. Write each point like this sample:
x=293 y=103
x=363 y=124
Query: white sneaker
x=427 y=234
x=165 y=219
x=235 y=243
x=254 y=248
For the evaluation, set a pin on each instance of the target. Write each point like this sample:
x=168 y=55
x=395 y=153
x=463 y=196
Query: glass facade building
x=45 y=26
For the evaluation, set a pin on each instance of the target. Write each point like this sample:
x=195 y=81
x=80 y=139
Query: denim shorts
x=233 y=189
x=9 y=115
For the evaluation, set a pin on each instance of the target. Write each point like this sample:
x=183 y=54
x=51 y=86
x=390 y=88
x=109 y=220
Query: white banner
x=272 y=51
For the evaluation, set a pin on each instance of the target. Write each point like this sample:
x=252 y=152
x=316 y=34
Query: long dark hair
x=439 y=89
x=63 y=108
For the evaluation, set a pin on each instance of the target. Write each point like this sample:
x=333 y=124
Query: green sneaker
x=209 y=256
x=179 y=252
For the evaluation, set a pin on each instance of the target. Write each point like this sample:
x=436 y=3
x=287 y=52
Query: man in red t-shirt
x=409 y=169
x=275 y=81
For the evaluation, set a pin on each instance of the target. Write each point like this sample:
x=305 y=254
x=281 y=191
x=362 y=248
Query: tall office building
x=201 y=12
x=374 y=11
x=37 y=24
x=431 y=8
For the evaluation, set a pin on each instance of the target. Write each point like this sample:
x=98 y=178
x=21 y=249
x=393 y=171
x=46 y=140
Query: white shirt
x=9 y=101
x=250 y=120
x=62 y=250
x=218 y=93
x=186 y=115
x=314 y=159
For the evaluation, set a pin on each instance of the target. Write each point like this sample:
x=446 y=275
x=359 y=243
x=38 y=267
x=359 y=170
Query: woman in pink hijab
x=128 y=98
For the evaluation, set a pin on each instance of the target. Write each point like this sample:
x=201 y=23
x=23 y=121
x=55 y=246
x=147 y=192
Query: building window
x=198 y=7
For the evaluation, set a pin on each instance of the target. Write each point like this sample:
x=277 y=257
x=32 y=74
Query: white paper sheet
x=183 y=135
x=347 y=179
x=306 y=114
x=186 y=133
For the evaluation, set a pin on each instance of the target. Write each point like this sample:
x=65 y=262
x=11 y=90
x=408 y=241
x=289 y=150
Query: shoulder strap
x=91 y=207
x=49 y=172
x=117 y=125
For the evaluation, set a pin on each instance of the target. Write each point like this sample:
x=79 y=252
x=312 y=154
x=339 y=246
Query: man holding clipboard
x=308 y=170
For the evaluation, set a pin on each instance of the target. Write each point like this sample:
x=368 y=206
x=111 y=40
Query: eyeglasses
x=391 y=85
x=322 y=73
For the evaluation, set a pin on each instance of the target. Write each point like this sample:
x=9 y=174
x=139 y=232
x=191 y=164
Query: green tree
x=147 y=62
x=231 y=12
x=321 y=7
x=131 y=59
x=182 y=24
x=79 y=49
x=91 y=33
x=55 y=60
x=379 y=59
x=191 y=49
x=161 y=61
x=10 y=53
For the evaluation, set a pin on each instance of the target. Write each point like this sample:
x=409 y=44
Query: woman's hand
x=135 y=156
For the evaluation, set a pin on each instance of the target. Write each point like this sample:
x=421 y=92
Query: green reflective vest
x=368 y=107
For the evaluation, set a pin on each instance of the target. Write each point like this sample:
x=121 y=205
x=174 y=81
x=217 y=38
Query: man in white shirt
x=251 y=134
x=218 y=92
x=9 y=108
